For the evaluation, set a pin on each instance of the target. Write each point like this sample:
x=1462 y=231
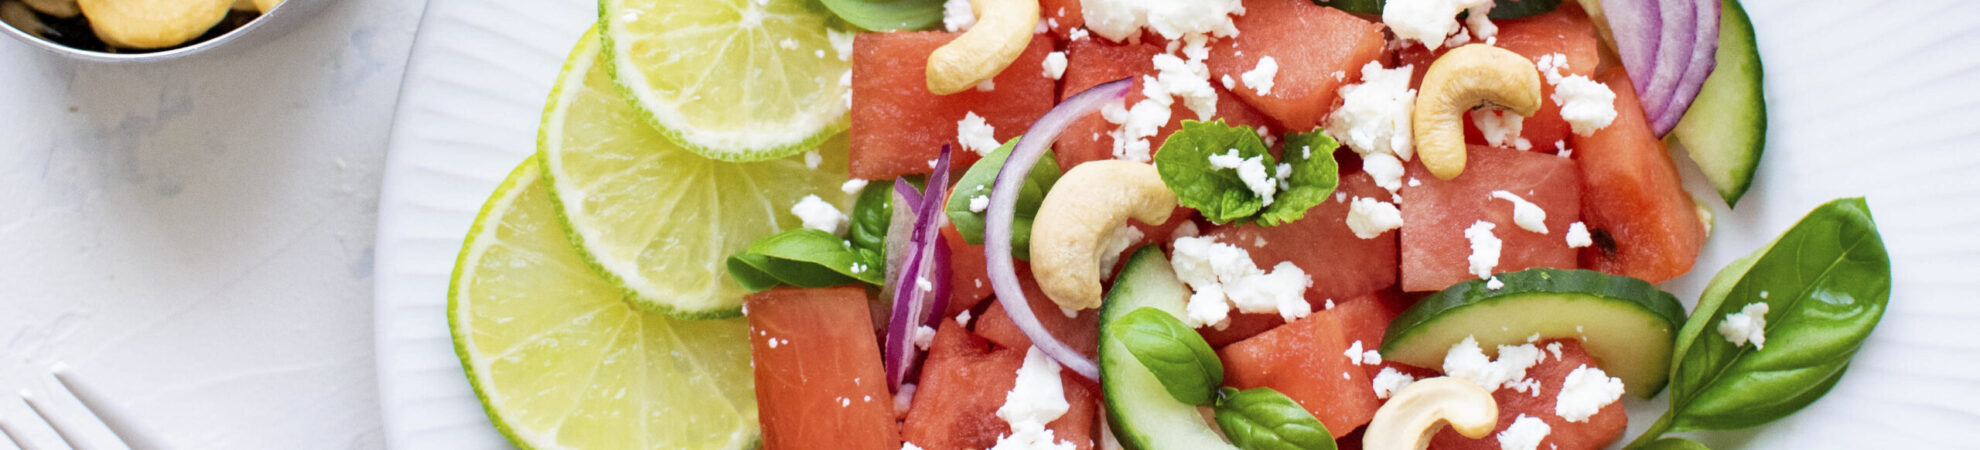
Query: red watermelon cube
x=1061 y=17
x=963 y=382
x=1081 y=331
x=813 y=351
x=1091 y=62
x=1598 y=431
x=1566 y=31
x=1631 y=195
x=1306 y=360
x=1436 y=213
x=1318 y=49
x=1342 y=266
x=898 y=127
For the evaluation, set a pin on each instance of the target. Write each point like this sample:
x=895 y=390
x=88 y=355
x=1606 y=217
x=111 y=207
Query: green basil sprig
x=1188 y=368
x=1826 y=283
x=811 y=258
x=1512 y=9
x=1676 y=444
x=977 y=181
x=1222 y=197
x=1263 y=418
x=888 y=15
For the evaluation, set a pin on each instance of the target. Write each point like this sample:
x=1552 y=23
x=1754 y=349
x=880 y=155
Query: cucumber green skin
x=1726 y=128
x=1626 y=323
x=1140 y=411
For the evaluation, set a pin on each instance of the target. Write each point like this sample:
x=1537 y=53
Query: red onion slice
x=1680 y=32
x=1003 y=208
x=1637 y=25
x=925 y=261
x=1704 y=59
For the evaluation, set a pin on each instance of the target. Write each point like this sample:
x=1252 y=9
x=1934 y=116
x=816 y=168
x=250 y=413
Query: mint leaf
x=888 y=15
x=1263 y=418
x=805 y=258
x=1218 y=194
x=871 y=214
x=1314 y=177
x=978 y=181
x=1174 y=352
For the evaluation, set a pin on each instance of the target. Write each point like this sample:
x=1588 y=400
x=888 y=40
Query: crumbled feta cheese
x=1055 y=65
x=1391 y=380
x=1226 y=160
x=812 y=160
x=909 y=446
x=1222 y=276
x=1078 y=34
x=1371 y=356
x=1466 y=360
x=979 y=203
x=1330 y=304
x=1413 y=182
x=1385 y=169
x=1187 y=229
x=772 y=342
x=1525 y=214
x=903 y=399
x=1577 y=236
x=1110 y=249
x=1586 y=105
x=858 y=268
x=1354 y=353
x=1501 y=128
x=819 y=215
x=923 y=284
x=1036 y=399
x=977 y=135
x=1229 y=83
x=1136 y=125
x=1550 y=66
x=1374 y=114
x=957 y=15
x=923 y=337
x=1480 y=23
x=1555 y=348
x=1185 y=79
x=1584 y=392
x=842 y=45
x=963 y=318
x=853 y=186
x=1425 y=21
x=1484 y=249
x=1494 y=284
x=1252 y=172
x=987 y=85
x=1122 y=20
x=1528 y=386
x=1369 y=218
x=788 y=44
x=1525 y=433
x=1261 y=77
x=1747 y=325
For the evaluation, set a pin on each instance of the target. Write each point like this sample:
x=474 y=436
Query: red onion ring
x=925 y=258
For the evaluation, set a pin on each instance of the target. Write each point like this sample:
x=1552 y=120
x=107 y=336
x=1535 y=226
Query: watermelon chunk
x=1318 y=49
x=1061 y=17
x=1347 y=267
x=1306 y=361
x=1436 y=213
x=969 y=279
x=1082 y=331
x=898 y=126
x=963 y=382
x=813 y=351
x=1599 y=431
x=1090 y=62
x=1566 y=31
x=1631 y=195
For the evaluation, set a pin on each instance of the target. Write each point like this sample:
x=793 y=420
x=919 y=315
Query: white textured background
x=195 y=238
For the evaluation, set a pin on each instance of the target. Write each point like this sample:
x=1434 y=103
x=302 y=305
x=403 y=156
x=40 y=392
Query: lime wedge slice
x=655 y=219
x=735 y=80
x=561 y=360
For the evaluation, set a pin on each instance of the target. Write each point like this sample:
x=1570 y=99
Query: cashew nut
x=1418 y=411
x=1468 y=77
x=1002 y=31
x=58 y=8
x=152 y=23
x=1087 y=206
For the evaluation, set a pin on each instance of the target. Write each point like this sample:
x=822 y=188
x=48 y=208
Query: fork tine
x=113 y=418
x=61 y=429
x=8 y=431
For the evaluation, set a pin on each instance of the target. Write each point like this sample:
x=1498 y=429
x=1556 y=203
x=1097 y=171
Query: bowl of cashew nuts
x=138 y=31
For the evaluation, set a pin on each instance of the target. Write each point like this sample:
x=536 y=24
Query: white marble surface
x=195 y=238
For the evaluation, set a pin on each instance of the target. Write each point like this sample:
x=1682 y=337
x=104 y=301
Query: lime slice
x=655 y=219
x=735 y=80
x=561 y=360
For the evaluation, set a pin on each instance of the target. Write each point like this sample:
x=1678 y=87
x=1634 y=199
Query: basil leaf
x=1826 y=283
x=1512 y=9
x=1676 y=444
x=1218 y=194
x=977 y=182
x=1188 y=368
x=1314 y=177
x=872 y=213
x=805 y=258
x=888 y=15
x=1262 y=418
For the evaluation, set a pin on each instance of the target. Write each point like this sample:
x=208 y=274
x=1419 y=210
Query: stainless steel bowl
x=267 y=27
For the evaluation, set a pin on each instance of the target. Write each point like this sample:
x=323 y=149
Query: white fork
x=130 y=433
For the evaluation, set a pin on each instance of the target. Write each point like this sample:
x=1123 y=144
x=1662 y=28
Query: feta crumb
x=788 y=44
x=819 y=215
x=842 y=45
x=1252 y=172
x=1528 y=386
x=979 y=203
x=1747 y=325
x=957 y=15
x=1391 y=380
x=987 y=85
x=812 y=160
x=1354 y=353
x=1122 y=20
x=977 y=135
x=772 y=342
x=1228 y=82
x=1479 y=20
x=1371 y=356
x=1501 y=128
x=1110 y=249
x=1484 y=249
x=1584 y=392
x=1586 y=105
x=923 y=337
x=909 y=446
x=1525 y=433
x=1222 y=276
x=903 y=399
x=1525 y=214
x=1330 y=304
x=1035 y=399
x=858 y=268
x=1550 y=66
x=1495 y=284
x=963 y=318
x=1374 y=116
x=1385 y=169
x=1577 y=236
x=1055 y=65
x=923 y=284
x=1466 y=360
x=1261 y=77
x=1369 y=218
x=1413 y=182
x=1077 y=34
x=1425 y=21
x=853 y=186
x=1226 y=160
x=1555 y=348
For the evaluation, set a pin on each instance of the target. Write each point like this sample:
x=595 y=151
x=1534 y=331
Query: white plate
x=1866 y=98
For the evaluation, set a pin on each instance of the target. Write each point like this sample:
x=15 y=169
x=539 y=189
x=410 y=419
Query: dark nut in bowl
x=147 y=30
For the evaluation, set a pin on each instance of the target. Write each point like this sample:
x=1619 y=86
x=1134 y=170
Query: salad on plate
x=1188 y=224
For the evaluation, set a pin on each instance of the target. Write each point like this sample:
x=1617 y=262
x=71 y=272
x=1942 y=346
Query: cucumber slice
x=1726 y=128
x=1142 y=413
x=1626 y=323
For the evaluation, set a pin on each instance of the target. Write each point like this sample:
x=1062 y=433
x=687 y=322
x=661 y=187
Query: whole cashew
x=1418 y=411
x=1467 y=77
x=1083 y=210
x=1003 y=29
